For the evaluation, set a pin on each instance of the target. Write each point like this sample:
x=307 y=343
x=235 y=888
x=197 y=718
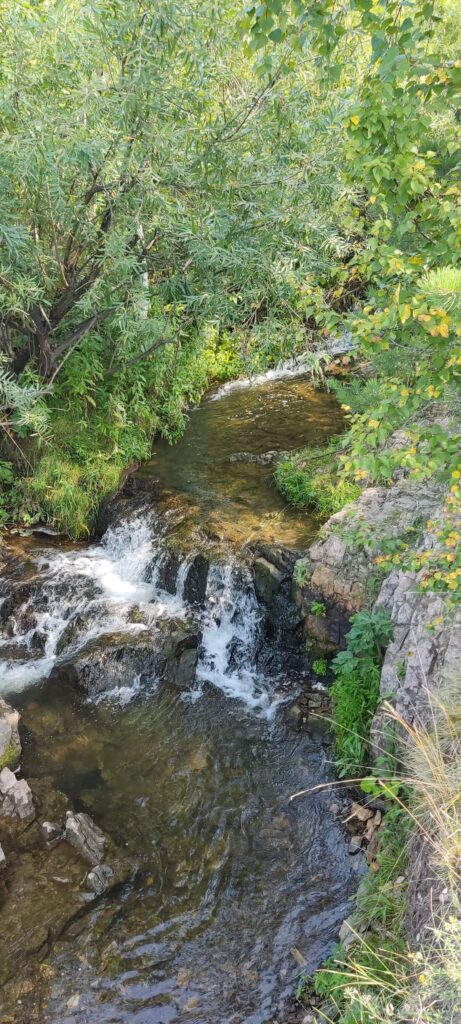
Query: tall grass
x=381 y=979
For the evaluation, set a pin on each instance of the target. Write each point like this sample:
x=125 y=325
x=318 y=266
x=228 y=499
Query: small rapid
x=104 y=583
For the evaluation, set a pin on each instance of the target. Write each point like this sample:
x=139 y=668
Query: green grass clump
x=310 y=479
x=355 y=691
x=67 y=494
x=10 y=756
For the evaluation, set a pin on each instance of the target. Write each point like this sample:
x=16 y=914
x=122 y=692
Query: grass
x=355 y=691
x=310 y=479
x=67 y=494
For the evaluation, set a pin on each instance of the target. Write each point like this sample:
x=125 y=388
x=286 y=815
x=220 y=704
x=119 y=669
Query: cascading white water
x=97 y=588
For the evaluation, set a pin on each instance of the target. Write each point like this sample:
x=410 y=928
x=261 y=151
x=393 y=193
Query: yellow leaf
x=355 y=119
x=443 y=330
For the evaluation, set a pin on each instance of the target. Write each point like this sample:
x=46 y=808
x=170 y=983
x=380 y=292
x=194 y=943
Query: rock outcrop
x=338 y=577
x=338 y=570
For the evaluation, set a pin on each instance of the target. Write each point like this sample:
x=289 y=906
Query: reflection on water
x=237 y=499
x=230 y=876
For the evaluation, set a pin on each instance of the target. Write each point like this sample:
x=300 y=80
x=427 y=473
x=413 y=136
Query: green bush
x=355 y=691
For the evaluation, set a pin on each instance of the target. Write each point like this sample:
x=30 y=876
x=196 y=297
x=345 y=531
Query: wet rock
x=71 y=633
x=167 y=651
x=16 y=795
x=196 y=580
x=168 y=572
x=99 y=878
x=82 y=833
x=181 y=654
x=268 y=580
x=10 y=745
x=52 y=833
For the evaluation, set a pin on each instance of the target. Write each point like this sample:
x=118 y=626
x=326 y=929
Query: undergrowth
x=355 y=691
x=379 y=978
x=309 y=479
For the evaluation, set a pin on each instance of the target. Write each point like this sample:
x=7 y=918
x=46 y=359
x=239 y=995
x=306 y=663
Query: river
x=226 y=875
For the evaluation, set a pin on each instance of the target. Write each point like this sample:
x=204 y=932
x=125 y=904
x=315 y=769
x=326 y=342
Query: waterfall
x=81 y=595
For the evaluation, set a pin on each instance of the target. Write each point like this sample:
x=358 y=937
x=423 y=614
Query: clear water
x=227 y=876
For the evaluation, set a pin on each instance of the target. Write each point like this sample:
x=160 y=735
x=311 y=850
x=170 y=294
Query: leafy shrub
x=355 y=690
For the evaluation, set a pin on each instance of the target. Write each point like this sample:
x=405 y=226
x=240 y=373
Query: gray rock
x=348 y=933
x=2 y=859
x=99 y=878
x=167 y=651
x=10 y=745
x=51 y=832
x=17 y=795
x=82 y=833
x=268 y=580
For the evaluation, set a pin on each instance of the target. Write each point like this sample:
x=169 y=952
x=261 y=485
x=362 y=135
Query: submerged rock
x=98 y=880
x=10 y=744
x=52 y=833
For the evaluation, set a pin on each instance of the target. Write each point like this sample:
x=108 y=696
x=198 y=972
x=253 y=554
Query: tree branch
x=80 y=331
x=142 y=355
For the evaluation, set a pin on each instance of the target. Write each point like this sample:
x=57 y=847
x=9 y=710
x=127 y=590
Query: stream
x=153 y=698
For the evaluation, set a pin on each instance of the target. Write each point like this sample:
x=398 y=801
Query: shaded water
x=227 y=876
x=230 y=875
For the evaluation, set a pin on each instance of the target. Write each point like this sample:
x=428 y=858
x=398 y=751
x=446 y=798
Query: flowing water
x=214 y=462
x=227 y=875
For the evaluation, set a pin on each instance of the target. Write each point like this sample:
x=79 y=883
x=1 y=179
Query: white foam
x=98 y=587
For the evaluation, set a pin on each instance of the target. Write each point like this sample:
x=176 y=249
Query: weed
x=318 y=608
x=355 y=690
x=320 y=667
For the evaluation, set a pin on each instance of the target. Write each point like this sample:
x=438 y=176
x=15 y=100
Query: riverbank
x=398 y=956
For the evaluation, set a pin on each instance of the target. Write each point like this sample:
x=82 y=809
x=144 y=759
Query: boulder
x=196 y=580
x=268 y=580
x=167 y=651
x=10 y=745
x=82 y=833
x=16 y=795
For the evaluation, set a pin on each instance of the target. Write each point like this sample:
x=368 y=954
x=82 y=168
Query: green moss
x=10 y=756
